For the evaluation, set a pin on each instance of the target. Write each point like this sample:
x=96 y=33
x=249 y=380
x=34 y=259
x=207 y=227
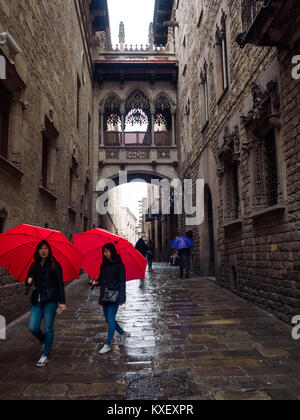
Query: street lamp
x=7 y=39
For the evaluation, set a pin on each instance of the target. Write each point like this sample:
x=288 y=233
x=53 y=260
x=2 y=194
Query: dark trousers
x=187 y=272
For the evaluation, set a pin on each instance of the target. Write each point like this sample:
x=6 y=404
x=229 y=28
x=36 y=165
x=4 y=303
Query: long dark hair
x=114 y=254
x=40 y=245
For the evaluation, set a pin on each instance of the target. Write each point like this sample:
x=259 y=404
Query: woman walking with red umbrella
x=112 y=281
x=49 y=294
x=46 y=259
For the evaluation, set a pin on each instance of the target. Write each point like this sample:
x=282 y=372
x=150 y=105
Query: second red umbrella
x=90 y=244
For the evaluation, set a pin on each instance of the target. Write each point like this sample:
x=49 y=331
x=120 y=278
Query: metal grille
x=272 y=169
x=250 y=9
x=160 y=386
x=236 y=195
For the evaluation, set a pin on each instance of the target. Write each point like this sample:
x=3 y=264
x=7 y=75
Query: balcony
x=136 y=138
x=138 y=148
x=270 y=23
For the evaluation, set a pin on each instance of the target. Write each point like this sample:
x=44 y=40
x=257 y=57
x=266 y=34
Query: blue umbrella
x=181 y=243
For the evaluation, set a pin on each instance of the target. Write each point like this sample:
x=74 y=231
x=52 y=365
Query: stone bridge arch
x=136 y=172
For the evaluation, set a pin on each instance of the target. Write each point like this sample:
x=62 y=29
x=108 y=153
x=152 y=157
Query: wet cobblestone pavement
x=189 y=339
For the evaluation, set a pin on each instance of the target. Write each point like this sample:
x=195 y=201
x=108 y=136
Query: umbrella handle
x=28 y=289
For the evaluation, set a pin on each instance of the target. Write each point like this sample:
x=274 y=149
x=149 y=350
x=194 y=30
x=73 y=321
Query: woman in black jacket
x=112 y=278
x=49 y=293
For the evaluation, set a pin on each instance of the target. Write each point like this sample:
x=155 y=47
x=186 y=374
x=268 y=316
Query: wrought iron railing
x=250 y=9
x=163 y=138
x=112 y=138
x=136 y=138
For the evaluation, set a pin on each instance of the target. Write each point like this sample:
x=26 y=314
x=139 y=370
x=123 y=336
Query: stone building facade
x=238 y=129
x=46 y=152
x=158 y=229
x=213 y=110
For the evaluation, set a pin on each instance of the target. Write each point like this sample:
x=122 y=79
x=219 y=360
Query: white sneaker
x=42 y=362
x=123 y=338
x=106 y=349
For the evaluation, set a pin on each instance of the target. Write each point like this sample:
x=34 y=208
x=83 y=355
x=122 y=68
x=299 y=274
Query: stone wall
x=256 y=256
x=43 y=88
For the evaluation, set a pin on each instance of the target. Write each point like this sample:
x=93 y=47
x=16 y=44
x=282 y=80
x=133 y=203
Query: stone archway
x=209 y=256
x=209 y=236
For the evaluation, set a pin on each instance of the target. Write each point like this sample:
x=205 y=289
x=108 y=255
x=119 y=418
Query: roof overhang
x=276 y=24
x=136 y=70
x=162 y=13
x=100 y=15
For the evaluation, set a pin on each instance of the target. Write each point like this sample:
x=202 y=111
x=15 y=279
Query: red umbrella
x=18 y=246
x=90 y=244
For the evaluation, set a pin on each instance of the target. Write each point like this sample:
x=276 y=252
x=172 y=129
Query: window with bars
x=235 y=190
x=204 y=95
x=250 y=8
x=271 y=169
x=89 y=139
x=222 y=64
x=45 y=162
x=4 y=120
x=78 y=101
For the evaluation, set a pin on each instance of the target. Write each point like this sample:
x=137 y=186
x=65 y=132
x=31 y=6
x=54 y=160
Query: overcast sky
x=136 y=15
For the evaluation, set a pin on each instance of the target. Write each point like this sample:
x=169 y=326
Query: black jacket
x=48 y=282
x=141 y=246
x=113 y=275
x=185 y=258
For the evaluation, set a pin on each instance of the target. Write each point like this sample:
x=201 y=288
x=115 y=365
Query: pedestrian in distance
x=149 y=256
x=48 y=297
x=112 y=282
x=141 y=247
x=185 y=261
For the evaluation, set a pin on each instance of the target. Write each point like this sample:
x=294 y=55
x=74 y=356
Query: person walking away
x=48 y=295
x=141 y=246
x=185 y=261
x=149 y=256
x=112 y=278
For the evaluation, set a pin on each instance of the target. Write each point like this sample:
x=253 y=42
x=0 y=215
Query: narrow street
x=189 y=339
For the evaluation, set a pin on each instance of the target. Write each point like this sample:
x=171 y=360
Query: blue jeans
x=48 y=313
x=110 y=312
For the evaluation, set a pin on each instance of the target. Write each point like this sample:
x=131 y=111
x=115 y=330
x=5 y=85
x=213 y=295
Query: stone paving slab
x=189 y=339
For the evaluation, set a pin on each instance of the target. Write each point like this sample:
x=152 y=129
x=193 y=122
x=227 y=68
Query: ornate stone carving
x=247 y=146
x=266 y=107
x=229 y=151
x=138 y=154
x=112 y=154
x=137 y=100
x=220 y=172
x=163 y=154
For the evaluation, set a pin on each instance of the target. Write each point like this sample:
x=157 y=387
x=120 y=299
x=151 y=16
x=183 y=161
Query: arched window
x=112 y=121
x=163 y=121
x=138 y=121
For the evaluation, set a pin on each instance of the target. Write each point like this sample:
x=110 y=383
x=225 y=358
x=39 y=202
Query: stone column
x=173 y=112
x=123 y=125
x=101 y=127
x=153 y=124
